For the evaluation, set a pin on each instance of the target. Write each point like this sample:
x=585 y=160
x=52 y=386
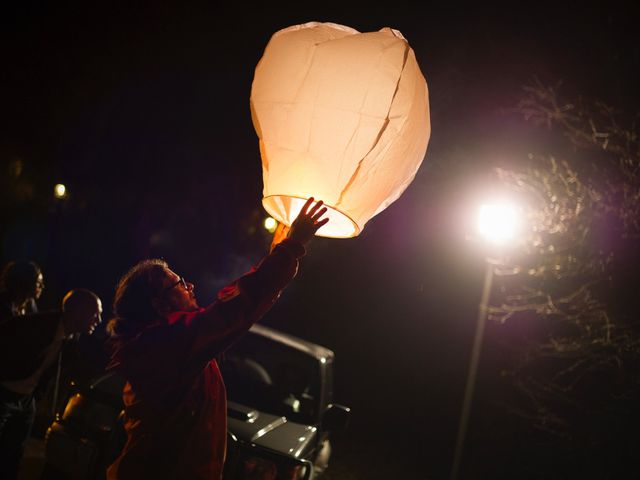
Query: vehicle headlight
x=256 y=468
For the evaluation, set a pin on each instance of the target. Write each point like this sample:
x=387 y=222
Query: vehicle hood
x=270 y=431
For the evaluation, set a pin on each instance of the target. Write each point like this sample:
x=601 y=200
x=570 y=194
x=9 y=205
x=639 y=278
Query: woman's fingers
x=313 y=213
x=319 y=214
x=321 y=223
x=306 y=205
x=315 y=208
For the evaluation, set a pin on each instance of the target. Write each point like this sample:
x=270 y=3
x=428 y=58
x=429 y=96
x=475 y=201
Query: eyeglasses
x=181 y=281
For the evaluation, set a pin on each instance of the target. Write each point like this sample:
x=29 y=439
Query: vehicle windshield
x=272 y=377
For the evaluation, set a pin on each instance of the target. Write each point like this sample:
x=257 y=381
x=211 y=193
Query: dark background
x=142 y=111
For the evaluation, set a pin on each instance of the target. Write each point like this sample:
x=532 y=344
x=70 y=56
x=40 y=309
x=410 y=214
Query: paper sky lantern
x=342 y=116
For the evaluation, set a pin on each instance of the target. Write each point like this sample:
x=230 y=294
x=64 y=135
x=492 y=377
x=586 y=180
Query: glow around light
x=60 y=191
x=498 y=222
x=270 y=224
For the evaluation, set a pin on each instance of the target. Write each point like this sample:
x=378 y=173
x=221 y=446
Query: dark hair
x=133 y=301
x=18 y=279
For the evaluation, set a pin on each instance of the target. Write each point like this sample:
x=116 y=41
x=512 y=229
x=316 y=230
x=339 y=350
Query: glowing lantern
x=342 y=116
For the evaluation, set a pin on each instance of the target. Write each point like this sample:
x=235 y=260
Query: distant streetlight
x=60 y=190
x=270 y=224
x=498 y=224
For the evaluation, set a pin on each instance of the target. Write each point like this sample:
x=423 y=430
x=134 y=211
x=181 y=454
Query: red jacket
x=175 y=400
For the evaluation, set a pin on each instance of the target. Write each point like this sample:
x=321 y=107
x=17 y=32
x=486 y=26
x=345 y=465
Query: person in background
x=21 y=284
x=29 y=345
x=165 y=347
x=83 y=358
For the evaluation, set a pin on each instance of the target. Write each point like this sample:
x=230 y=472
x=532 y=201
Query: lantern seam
x=382 y=130
x=355 y=132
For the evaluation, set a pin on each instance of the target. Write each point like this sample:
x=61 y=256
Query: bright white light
x=498 y=222
x=270 y=224
x=60 y=191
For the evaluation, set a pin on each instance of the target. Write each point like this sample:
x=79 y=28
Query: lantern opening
x=286 y=208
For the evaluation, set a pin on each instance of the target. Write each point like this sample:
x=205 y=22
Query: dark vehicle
x=280 y=414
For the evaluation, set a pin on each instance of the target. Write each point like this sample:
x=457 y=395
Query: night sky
x=142 y=111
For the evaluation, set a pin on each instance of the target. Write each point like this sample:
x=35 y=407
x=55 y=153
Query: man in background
x=21 y=284
x=29 y=345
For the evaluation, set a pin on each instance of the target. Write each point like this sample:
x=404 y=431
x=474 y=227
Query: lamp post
x=497 y=224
